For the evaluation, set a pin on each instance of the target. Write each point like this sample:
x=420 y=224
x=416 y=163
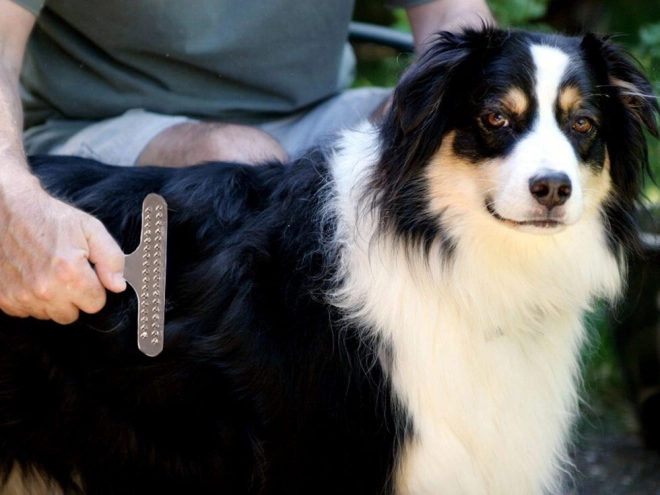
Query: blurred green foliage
x=518 y=13
x=648 y=48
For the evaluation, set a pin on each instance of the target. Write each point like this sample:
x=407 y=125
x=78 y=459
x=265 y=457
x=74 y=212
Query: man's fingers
x=106 y=255
x=63 y=314
x=15 y=311
x=46 y=247
x=88 y=294
x=59 y=309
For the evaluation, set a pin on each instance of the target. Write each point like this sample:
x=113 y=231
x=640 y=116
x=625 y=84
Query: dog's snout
x=551 y=189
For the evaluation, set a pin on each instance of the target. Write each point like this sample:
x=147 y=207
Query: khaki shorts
x=120 y=140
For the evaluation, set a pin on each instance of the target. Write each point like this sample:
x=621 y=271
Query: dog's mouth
x=544 y=223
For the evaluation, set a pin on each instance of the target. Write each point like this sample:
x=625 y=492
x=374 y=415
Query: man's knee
x=190 y=143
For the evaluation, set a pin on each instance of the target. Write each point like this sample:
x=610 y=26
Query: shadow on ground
x=609 y=457
x=615 y=464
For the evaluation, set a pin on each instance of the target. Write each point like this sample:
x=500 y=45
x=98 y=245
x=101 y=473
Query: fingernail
x=119 y=281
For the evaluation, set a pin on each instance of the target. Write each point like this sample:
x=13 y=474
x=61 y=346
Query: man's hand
x=47 y=249
x=46 y=246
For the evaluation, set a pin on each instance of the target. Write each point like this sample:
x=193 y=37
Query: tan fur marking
x=516 y=101
x=631 y=96
x=570 y=98
x=454 y=182
x=598 y=183
x=31 y=483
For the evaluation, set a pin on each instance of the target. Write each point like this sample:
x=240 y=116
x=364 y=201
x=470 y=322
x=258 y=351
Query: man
x=155 y=71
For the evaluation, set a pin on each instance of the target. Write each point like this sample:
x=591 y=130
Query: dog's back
x=240 y=394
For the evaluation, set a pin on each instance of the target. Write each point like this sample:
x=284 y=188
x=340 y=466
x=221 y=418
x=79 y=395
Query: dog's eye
x=583 y=125
x=495 y=119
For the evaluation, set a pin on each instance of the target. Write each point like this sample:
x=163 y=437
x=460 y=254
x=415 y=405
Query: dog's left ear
x=630 y=106
x=626 y=81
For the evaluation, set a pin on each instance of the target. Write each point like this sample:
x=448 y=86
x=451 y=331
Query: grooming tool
x=145 y=272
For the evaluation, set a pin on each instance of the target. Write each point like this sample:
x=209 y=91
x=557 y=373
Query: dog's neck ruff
x=491 y=332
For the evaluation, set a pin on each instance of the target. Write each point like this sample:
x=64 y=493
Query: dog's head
x=532 y=132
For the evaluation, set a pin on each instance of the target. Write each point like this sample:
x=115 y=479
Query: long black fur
x=258 y=389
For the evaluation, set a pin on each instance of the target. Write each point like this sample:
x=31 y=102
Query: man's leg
x=145 y=138
x=196 y=142
x=138 y=137
x=321 y=123
x=189 y=143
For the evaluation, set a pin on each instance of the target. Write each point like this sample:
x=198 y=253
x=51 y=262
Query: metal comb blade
x=145 y=272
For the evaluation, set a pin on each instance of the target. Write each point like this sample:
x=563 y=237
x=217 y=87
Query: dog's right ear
x=421 y=88
x=413 y=129
x=415 y=125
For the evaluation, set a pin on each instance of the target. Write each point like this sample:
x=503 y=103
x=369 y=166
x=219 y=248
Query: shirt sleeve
x=404 y=4
x=33 y=6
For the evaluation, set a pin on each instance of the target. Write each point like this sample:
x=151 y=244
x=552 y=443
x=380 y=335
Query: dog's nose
x=551 y=189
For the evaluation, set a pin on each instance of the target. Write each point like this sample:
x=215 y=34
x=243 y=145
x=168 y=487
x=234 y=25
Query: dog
x=400 y=311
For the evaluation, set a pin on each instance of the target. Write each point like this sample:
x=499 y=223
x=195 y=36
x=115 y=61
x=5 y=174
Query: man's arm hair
x=16 y=23
x=47 y=248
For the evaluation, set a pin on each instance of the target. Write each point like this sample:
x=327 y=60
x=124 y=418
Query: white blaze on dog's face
x=539 y=186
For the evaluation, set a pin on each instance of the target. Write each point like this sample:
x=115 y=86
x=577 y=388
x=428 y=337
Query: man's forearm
x=446 y=15
x=12 y=159
x=16 y=23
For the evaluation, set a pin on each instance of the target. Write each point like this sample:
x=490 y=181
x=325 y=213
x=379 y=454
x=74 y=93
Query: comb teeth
x=145 y=272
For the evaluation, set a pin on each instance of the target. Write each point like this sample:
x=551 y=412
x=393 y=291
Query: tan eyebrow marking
x=569 y=98
x=516 y=101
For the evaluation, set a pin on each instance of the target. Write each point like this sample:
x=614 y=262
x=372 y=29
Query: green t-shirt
x=242 y=61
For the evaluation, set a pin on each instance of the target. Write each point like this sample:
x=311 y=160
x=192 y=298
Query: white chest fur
x=490 y=411
x=484 y=349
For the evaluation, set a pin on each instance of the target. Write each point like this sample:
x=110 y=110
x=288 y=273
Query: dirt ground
x=615 y=464
x=609 y=456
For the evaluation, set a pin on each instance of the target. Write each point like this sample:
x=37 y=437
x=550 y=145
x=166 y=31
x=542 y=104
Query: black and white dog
x=399 y=313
